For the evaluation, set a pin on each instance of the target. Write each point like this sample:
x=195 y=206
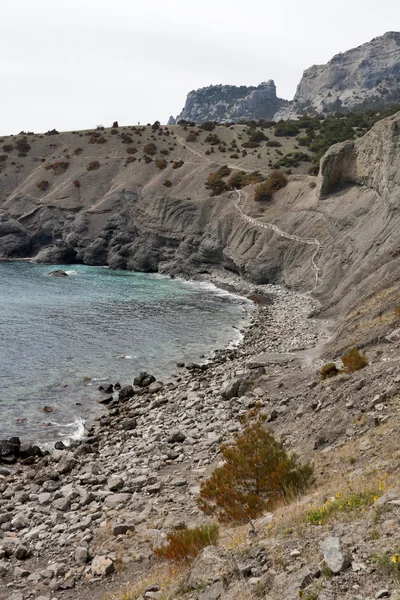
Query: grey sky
x=78 y=63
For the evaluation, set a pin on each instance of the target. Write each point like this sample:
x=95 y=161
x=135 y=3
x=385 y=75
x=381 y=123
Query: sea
x=60 y=338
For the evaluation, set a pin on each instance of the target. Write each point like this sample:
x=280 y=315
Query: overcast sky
x=79 y=63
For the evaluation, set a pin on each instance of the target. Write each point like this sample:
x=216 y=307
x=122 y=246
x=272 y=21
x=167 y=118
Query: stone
x=156 y=387
x=115 y=483
x=382 y=594
x=125 y=393
x=333 y=556
x=9 y=450
x=114 y=500
x=102 y=566
x=176 y=435
x=57 y=273
x=81 y=555
x=66 y=464
x=122 y=528
x=213 y=592
x=62 y=504
x=212 y=564
x=144 y=380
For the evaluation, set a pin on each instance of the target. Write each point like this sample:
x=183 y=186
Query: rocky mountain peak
x=364 y=77
x=231 y=103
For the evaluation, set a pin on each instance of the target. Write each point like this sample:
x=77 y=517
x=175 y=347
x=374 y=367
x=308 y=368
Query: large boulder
x=58 y=253
x=9 y=450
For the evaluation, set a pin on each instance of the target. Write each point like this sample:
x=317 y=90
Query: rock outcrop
x=364 y=77
x=231 y=103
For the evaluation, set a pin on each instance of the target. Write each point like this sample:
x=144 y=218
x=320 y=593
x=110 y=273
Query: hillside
x=94 y=512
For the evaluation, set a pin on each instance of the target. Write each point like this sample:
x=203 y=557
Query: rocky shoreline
x=138 y=469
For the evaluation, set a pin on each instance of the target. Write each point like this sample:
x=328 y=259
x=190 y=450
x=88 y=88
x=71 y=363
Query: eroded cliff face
x=231 y=103
x=364 y=77
x=335 y=236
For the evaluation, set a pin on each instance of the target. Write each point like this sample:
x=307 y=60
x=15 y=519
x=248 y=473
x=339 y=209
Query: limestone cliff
x=231 y=103
x=364 y=77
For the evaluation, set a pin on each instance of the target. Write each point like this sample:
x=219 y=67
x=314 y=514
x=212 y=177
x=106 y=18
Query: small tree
x=274 y=182
x=257 y=474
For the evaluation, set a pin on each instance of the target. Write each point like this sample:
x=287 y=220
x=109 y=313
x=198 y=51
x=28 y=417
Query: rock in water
x=57 y=273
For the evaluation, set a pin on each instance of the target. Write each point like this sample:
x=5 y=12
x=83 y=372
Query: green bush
x=256 y=475
x=212 y=139
x=186 y=544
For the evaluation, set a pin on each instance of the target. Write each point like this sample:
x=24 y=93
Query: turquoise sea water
x=59 y=337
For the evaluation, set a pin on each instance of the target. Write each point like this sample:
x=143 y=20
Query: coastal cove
x=62 y=337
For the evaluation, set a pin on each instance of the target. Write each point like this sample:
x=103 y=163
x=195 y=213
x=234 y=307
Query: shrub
x=178 y=164
x=275 y=181
x=43 y=185
x=97 y=139
x=216 y=183
x=396 y=308
x=256 y=475
x=93 y=166
x=52 y=132
x=8 y=148
x=115 y=124
x=126 y=139
x=130 y=159
x=131 y=150
x=186 y=544
x=350 y=502
x=286 y=128
x=353 y=361
x=208 y=126
x=76 y=183
x=57 y=167
x=22 y=146
x=273 y=144
x=147 y=159
x=78 y=151
x=150 y=149
x=161 y=163
x=192 y=136
x=167 y=183
x=212 y=139
x=240 y=179
x=329 y=370
x=156 y=125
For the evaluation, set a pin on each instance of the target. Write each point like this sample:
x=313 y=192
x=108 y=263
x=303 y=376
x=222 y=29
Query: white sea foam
x=71 y=272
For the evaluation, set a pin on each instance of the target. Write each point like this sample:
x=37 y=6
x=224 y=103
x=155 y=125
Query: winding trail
x=265 y=225
x=283 y=234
